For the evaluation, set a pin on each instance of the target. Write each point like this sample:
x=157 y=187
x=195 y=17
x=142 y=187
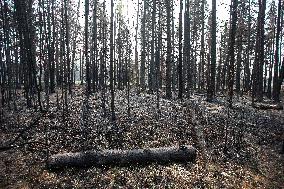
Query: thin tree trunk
x=211 y=86
x=276 y=87
x=169 y=51
x=180 y=75
x=231 y=52
x=136 y=47
x=88 y=80
x=111 y=63
x=143 y=53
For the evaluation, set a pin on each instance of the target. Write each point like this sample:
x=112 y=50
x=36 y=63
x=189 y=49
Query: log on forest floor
x=163 y=155
x=264 y=106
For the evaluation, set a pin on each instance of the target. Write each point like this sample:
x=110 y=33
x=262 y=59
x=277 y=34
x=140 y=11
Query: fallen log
x=123 y=157
x=264 y=106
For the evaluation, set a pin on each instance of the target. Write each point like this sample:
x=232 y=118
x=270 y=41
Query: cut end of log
x=163 y=155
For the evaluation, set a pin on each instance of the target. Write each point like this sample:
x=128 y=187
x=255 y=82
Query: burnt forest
x=142 y=94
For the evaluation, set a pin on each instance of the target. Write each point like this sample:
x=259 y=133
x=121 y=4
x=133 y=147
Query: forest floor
x=252 y=139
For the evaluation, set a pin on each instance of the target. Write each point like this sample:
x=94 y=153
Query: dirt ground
x=237 y=148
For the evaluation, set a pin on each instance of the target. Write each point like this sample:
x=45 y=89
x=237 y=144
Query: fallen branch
x=123 y=157
x=263 y=106
x=5 y=148
x=11 y=144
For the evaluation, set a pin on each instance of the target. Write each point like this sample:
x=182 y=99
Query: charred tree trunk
x=276 y=85
x=95 y=50
x=165 y=155
x=152 y=77
x=231 y=52
x=180 y=75
x=202 y=52
x=136 y=71
x=247 y=73
x=88 y=80
x=257 y=89
x=143 y=53
x=111 y=63
x=169 y=51
x=211 y=85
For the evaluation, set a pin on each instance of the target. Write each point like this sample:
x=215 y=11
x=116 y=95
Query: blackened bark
x=180 y=75
x=169 y=51
x=123 y=157
x=111 y=63
x=88 y=80
x=211 y=85
x=143 y=53
x=276 y=85
x=231 y=51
